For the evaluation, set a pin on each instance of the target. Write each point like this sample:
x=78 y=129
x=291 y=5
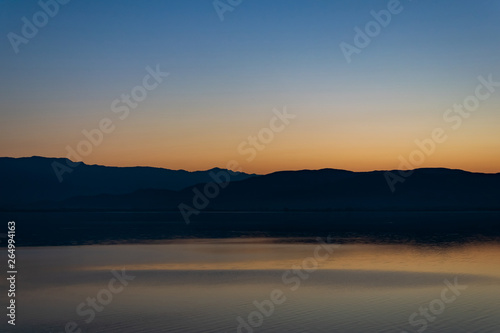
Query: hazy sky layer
x=226 y=77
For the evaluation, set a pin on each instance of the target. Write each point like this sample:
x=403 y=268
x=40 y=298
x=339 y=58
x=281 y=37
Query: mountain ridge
x=303 y=190
x=29 y=179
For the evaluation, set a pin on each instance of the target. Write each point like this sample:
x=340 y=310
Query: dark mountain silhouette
x=32 y=179
x=312 y=190
x=425 y=189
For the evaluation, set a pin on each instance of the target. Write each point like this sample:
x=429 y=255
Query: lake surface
x=86 y=228
x=258 y=285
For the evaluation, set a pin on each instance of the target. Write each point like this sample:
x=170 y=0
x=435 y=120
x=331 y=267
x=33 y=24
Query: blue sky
x=264 y=54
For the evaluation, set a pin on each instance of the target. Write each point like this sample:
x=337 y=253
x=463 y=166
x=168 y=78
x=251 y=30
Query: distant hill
x=313 y=190
x=425 y=189
x=32 y=179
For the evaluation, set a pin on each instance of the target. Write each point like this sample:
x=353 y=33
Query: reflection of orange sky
x=471 y=259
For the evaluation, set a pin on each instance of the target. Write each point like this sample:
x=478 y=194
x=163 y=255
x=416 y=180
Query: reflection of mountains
x=30 y=180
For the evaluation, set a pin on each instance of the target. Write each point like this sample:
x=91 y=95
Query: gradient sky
x=226 y=78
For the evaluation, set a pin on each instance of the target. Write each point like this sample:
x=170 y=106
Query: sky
x=227 y=80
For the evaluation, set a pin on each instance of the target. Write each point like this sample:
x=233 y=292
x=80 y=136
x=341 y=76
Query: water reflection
x=204 y=285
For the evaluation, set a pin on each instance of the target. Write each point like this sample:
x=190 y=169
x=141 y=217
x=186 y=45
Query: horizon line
x=264 y=174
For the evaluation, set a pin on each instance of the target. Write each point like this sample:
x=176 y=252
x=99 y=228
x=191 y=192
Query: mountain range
x=31 y=184
x=33 y=179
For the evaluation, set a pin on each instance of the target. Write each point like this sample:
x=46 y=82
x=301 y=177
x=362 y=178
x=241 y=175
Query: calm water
x=206 y=285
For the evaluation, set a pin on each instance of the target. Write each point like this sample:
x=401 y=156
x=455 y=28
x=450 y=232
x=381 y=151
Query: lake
x=253 y=284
